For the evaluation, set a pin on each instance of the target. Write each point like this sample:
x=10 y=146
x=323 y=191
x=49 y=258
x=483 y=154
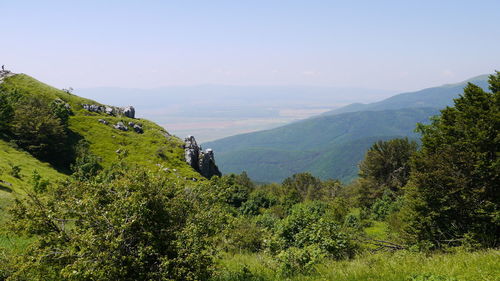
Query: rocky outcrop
x=4 y=74
x=127 y=111
x=201 y=161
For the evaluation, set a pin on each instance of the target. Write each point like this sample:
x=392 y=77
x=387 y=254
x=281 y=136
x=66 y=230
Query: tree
x=385 y=169
x=121 y=225
x=452 y=196
x=38 y=130
x=6 y=113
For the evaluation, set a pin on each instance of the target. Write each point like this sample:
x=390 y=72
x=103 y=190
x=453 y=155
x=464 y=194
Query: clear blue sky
x=397 y=45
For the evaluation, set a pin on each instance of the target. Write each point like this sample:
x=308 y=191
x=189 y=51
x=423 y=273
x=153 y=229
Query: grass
x=402 y=265
x=9 y=156
x=377 y=230
x=155 y=147
x=30 y=86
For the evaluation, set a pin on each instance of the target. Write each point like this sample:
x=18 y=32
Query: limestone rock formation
x=201 y=161
x=127 y=111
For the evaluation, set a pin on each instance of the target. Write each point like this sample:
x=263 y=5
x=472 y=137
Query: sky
x=390 y=45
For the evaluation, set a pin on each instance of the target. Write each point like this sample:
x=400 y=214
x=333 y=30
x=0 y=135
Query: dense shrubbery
x=36 y=125
x=453 y=195
x=120 y=225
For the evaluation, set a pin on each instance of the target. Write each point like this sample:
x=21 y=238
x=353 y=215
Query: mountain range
x=332 y=144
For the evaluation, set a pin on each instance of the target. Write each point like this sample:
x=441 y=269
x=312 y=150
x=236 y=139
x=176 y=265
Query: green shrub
x=299 y=260
x=312 y=224
x=452 y=195
x=37 y=130
x=122 y=225
x=39 y=184
x=15 y=171
x=245 y=235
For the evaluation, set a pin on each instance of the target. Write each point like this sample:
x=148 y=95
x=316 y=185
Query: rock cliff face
x=201 y=161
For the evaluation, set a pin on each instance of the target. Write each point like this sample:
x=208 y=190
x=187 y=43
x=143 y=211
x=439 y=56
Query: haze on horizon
x=388 y=45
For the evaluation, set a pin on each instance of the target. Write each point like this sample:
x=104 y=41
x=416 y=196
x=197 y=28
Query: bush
x=122 y=225
x=6 y=113
x=86 y=164
x=245 y=235
x=15 y=171
x=299 y=260
x=312 y=224
x=37 y=130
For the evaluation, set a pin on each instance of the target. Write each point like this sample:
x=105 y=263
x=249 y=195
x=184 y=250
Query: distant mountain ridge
x=438 y=97
x=332 y=144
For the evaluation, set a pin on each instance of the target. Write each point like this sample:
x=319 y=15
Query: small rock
x=138 y=129
x=131 y=124
x=120 y=126
x=103 y=121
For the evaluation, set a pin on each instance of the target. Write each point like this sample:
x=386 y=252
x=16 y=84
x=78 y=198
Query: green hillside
x=155 y=147
x=13 y=184
x=328 y=146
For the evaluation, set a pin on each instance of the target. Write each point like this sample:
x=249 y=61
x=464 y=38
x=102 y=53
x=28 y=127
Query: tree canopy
x=452 y=196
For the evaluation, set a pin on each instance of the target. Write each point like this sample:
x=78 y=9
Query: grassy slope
x=104 y=139
x=153 y=147
x=329 y=147
x=398 y=266
x=10 y=156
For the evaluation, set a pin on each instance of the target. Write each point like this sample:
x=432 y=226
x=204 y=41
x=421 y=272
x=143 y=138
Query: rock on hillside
x=143 y=142
x=4 y=74
x=201 y=161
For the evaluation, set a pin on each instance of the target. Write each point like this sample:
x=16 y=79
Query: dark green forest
x=423 y=208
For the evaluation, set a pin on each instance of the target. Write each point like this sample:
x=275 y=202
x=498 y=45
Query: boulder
x=103 y=121
x=138 y=129
x=120 y=126
x=128 y=111
x=109 y=110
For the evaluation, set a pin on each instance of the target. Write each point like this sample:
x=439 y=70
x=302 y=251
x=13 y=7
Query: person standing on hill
x=3 y=67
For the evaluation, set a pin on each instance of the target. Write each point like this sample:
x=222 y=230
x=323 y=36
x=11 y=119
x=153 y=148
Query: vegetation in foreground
x=397 y=266
x=429 y=213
